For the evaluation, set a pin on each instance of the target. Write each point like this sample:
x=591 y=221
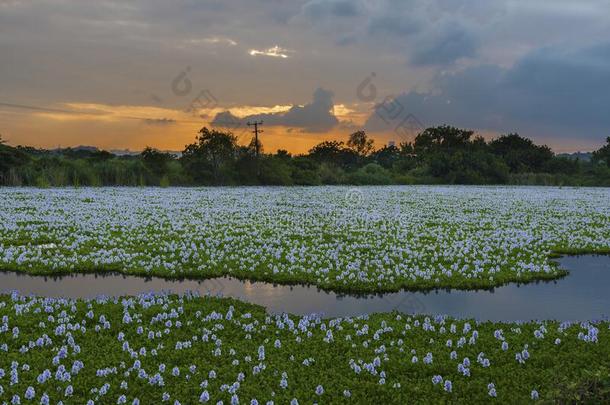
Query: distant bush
x=372 y=173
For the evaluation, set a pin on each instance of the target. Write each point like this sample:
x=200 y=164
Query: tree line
x=437 y=155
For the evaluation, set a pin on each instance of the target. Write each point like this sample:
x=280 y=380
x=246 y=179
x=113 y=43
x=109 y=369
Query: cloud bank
x=551 y=91
x=316 y=116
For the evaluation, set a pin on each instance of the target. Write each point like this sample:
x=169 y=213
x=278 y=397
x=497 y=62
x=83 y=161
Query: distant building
x=391 y=143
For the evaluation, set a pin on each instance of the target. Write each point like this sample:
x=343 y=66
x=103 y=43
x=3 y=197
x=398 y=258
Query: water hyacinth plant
x=162 y=348
x=186 y=349
x=389 y=238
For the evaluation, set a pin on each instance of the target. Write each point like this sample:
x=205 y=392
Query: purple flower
x=448 y=386
x=525 y=354
x=30 y=393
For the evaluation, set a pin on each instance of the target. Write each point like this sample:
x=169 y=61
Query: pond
x=581 y=295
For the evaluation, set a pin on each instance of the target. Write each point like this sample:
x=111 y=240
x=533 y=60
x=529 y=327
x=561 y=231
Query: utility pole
x=256 y=131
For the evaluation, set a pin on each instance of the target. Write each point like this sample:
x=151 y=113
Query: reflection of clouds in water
x=580 y=296
x=260 y=293
x=214 y=286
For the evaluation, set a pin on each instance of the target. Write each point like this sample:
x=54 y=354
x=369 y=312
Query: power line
x=235 y=127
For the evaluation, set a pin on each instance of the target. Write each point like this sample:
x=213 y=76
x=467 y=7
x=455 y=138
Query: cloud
x=391 y=24
x=316 y=9
x=226 y=119
x=425 y=32
x=57 y=52
x=316 y=116
x=213 y=40
x=446 y=44
x=275 y=52
x=551 y=91
x=159 y=121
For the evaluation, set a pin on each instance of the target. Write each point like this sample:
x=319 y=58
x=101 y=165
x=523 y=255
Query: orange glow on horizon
x=135 y=127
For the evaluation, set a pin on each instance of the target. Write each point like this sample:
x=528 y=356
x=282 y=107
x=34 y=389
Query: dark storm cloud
x=394 y=25
x=316 y=116
x=554 y=91
x=426 y=33
x=338 y=8
x=449 y=42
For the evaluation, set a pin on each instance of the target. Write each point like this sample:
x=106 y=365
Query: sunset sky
x=127 y=74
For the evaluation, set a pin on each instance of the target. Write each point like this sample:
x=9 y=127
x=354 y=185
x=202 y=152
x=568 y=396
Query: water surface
x=582 y=295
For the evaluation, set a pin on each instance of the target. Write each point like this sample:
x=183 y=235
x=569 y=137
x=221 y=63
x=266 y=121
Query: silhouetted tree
x=360 y=143
x=252 y=146
x=283 y=154
x=335 y=154
x=156 y=161
x=444 y=139
x=521 y=154
x=210 y=157
x=437 y=155
x=386 y=156
x=10 y=158
x=327 y=151
x=603 y=153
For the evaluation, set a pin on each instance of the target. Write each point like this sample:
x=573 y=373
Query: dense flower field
x=341 y=238
x=172 y=349
x=155 y=349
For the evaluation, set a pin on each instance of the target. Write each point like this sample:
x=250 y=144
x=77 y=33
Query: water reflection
x=581 y=295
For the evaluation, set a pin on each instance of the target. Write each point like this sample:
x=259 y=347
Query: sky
x=130 y=74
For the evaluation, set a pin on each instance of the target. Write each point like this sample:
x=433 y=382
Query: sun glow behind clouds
x=104 y=112
x=242 y=111
x=275 y=52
